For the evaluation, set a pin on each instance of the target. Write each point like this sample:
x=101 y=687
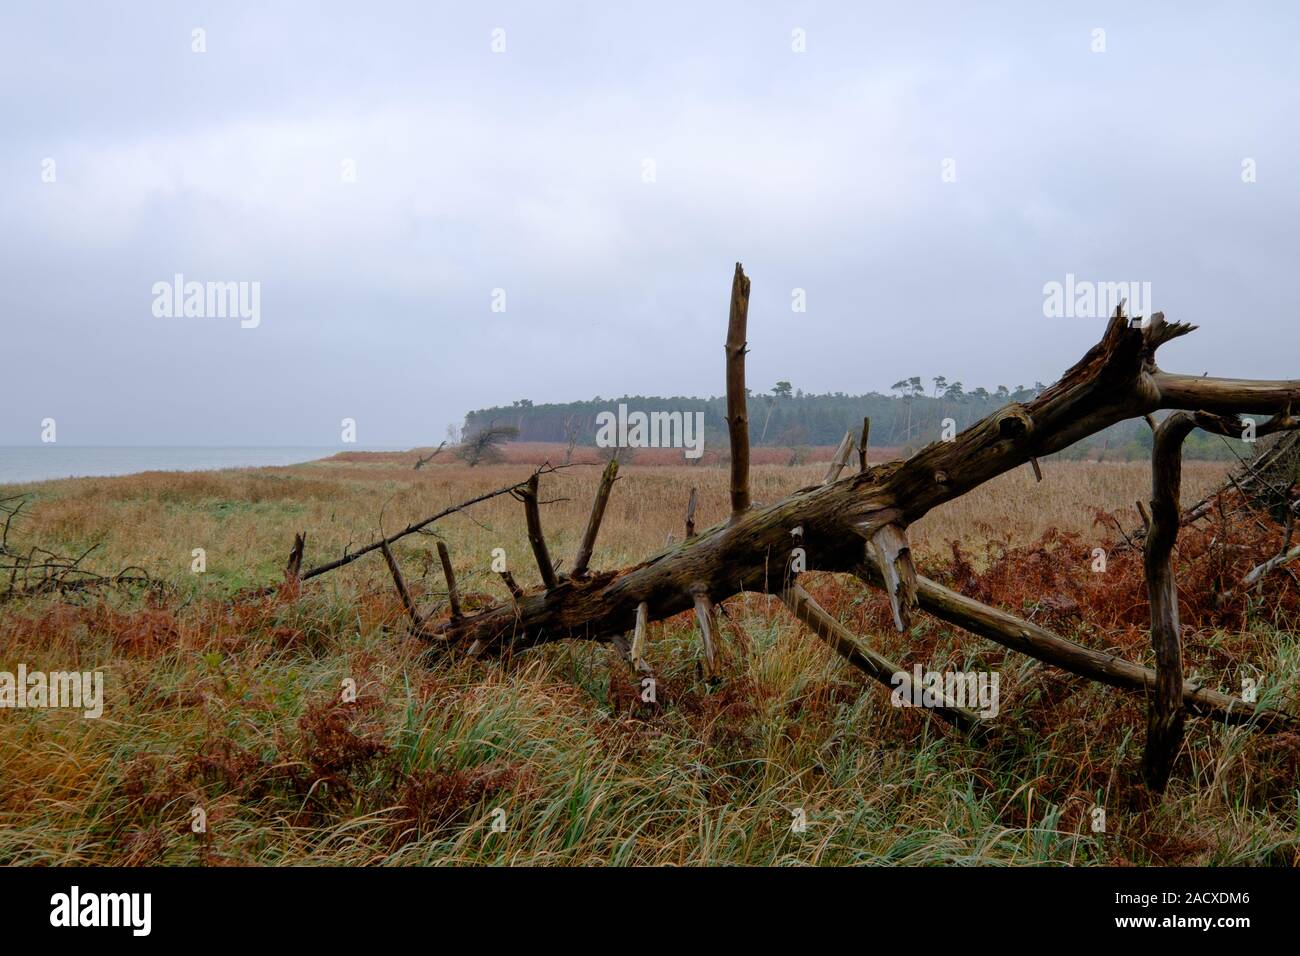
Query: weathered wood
x=690 y=516
x=704 y=617
x=1036 y=641
x=453 y=596
x=1257 y=573
x=535 y=537
x=849 y=646
x=862 y=444
x=597 y=514
x=893 y=555
x=400 y=583
x=1038 y=469
x=1225 y=396
x=840 y=459
x=637 y=651
x=1164 y=709
x=737 y=399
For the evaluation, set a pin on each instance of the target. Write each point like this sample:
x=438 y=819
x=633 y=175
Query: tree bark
x=597 y=515
x=737 y=400
x=849 y=646
x=1164 y=711
x=532 y=514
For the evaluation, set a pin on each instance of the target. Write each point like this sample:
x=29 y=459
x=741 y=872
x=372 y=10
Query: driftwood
x=859 y=524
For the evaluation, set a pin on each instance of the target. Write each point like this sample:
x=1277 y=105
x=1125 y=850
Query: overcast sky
x=525 y=170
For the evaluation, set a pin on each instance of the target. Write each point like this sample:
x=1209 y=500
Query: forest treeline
x=787 y=417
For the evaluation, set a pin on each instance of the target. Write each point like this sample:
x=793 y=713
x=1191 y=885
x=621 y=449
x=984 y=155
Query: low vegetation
x=240 y=706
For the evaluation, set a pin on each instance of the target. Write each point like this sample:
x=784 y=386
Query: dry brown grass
x=235 y=706
x=245 y=520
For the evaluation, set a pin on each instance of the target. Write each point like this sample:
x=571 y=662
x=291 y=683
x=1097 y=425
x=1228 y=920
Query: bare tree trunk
x=737 y=401
x=1165 y=711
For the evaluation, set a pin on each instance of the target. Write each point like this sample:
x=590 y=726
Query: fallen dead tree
x=859 y=524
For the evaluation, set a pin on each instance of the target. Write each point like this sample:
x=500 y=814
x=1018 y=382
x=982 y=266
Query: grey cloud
x=523 y=171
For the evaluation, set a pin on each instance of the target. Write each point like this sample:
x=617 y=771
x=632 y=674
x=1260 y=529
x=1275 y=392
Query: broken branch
x=597 y=514
x=704 y=616
x=535 y=537
x=840 y=459
x=400 y=582
x=849 y=646
x=453 y=597
x=1028 y=638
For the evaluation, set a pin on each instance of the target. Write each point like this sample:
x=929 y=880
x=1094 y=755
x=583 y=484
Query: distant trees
x=911 y=411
